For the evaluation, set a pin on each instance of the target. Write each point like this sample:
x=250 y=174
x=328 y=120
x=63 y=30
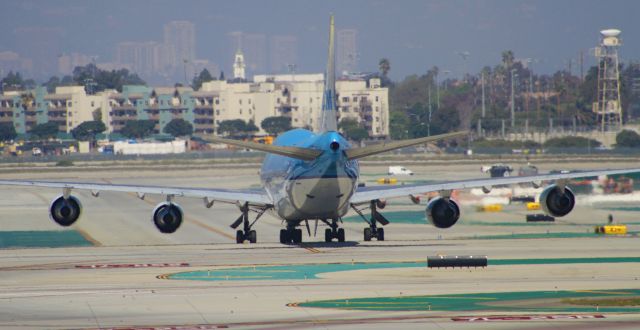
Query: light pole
x=513 y=112
x=483 y=103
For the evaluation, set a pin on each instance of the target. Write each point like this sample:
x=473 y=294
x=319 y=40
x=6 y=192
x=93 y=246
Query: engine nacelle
x=443 y=213
x=65 y=212
x=556 y=202
x=167 y=217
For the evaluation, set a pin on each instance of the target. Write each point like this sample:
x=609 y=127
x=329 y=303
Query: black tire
x=297 y=236
x=284 y=237
x=239 y=237
x=341 y=235
x=380 y=234
x=328 y=235
x=253 y=236
x=367 y=234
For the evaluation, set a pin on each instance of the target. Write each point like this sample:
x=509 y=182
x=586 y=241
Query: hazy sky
x=414 y=35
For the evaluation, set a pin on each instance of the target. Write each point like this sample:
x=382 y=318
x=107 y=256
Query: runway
x=114 y=270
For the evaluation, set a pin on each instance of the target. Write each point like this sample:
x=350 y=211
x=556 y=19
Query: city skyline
x=44 y=36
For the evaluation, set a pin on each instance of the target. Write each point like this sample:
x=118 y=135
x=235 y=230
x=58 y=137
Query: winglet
x=388 y=146
x=293 y=152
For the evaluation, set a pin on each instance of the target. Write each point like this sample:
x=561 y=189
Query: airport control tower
x=607 y=106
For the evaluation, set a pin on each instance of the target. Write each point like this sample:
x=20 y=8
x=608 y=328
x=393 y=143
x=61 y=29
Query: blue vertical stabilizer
x=328 y=116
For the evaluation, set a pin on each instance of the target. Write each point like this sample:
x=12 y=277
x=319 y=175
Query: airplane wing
x=366 y=194
x=258 y=197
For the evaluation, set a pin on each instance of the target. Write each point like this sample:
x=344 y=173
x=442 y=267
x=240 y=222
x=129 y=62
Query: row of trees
x=443 y=104
x=93 y=78
x=136 y=129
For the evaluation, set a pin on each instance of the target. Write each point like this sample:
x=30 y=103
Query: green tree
x=138 y=129
x=12 y=81
x=507 y=58
x=627 y=139
x=352 y=129
x=88 y=130
x=236 y=127
x=384 y=65
x=251 y=127
x=276 y=125
x=571 y=142
x=7 y=132
x=204 y=76
x=179 y=127
x=45 y=131
x=102 y=79
x=52 y=83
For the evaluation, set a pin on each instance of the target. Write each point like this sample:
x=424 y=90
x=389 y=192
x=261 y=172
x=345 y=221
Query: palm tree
x=385 y=66
x=507 y=58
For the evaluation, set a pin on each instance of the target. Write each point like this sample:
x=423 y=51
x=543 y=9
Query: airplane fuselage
x=318 y=189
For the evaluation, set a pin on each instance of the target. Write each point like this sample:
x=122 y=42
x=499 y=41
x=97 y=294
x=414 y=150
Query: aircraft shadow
x=328 y=244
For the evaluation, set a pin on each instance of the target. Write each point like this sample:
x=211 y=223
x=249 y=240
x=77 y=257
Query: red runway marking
x=102 y=266
x=525 y=318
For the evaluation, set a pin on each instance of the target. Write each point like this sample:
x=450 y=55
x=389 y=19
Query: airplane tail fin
x=328 y=117
x=356 y=153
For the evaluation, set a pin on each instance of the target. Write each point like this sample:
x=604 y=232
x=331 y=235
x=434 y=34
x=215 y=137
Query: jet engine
x=443 y=213
x=167 y=217
x=557 y=202
x=65 y=211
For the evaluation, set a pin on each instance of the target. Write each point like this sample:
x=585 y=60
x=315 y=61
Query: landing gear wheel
x=284 y=236
x=328 y=235
x=253 y=236
x=239 y=237
x=380 y=233
x=341 y=235
x=367 y=234
x=297 y=236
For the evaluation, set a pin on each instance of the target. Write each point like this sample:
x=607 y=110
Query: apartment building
x=69 y=106
x=297 y=96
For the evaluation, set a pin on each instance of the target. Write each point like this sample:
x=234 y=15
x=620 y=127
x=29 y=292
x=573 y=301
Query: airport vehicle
x=399 y=170
x=311 y=176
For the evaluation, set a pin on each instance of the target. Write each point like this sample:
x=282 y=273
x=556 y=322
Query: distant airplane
x=313 y=176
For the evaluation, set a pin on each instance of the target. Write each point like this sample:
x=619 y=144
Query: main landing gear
x=373 y=231
x=246 y=234
x=333 y=232
x=291 y=235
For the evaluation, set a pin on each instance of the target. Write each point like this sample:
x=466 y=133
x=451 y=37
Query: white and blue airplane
x=310 y=176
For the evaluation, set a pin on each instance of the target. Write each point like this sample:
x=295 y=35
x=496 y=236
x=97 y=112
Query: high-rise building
x=180 y=38
x=283 y=53
x=68 y=62
x=144 y=58
x=347 y=51
x=11 y=61
x=254 y=48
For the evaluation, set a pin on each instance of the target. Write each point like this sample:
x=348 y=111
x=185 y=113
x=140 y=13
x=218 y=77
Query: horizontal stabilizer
x=293 y=152
x=388 y=146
